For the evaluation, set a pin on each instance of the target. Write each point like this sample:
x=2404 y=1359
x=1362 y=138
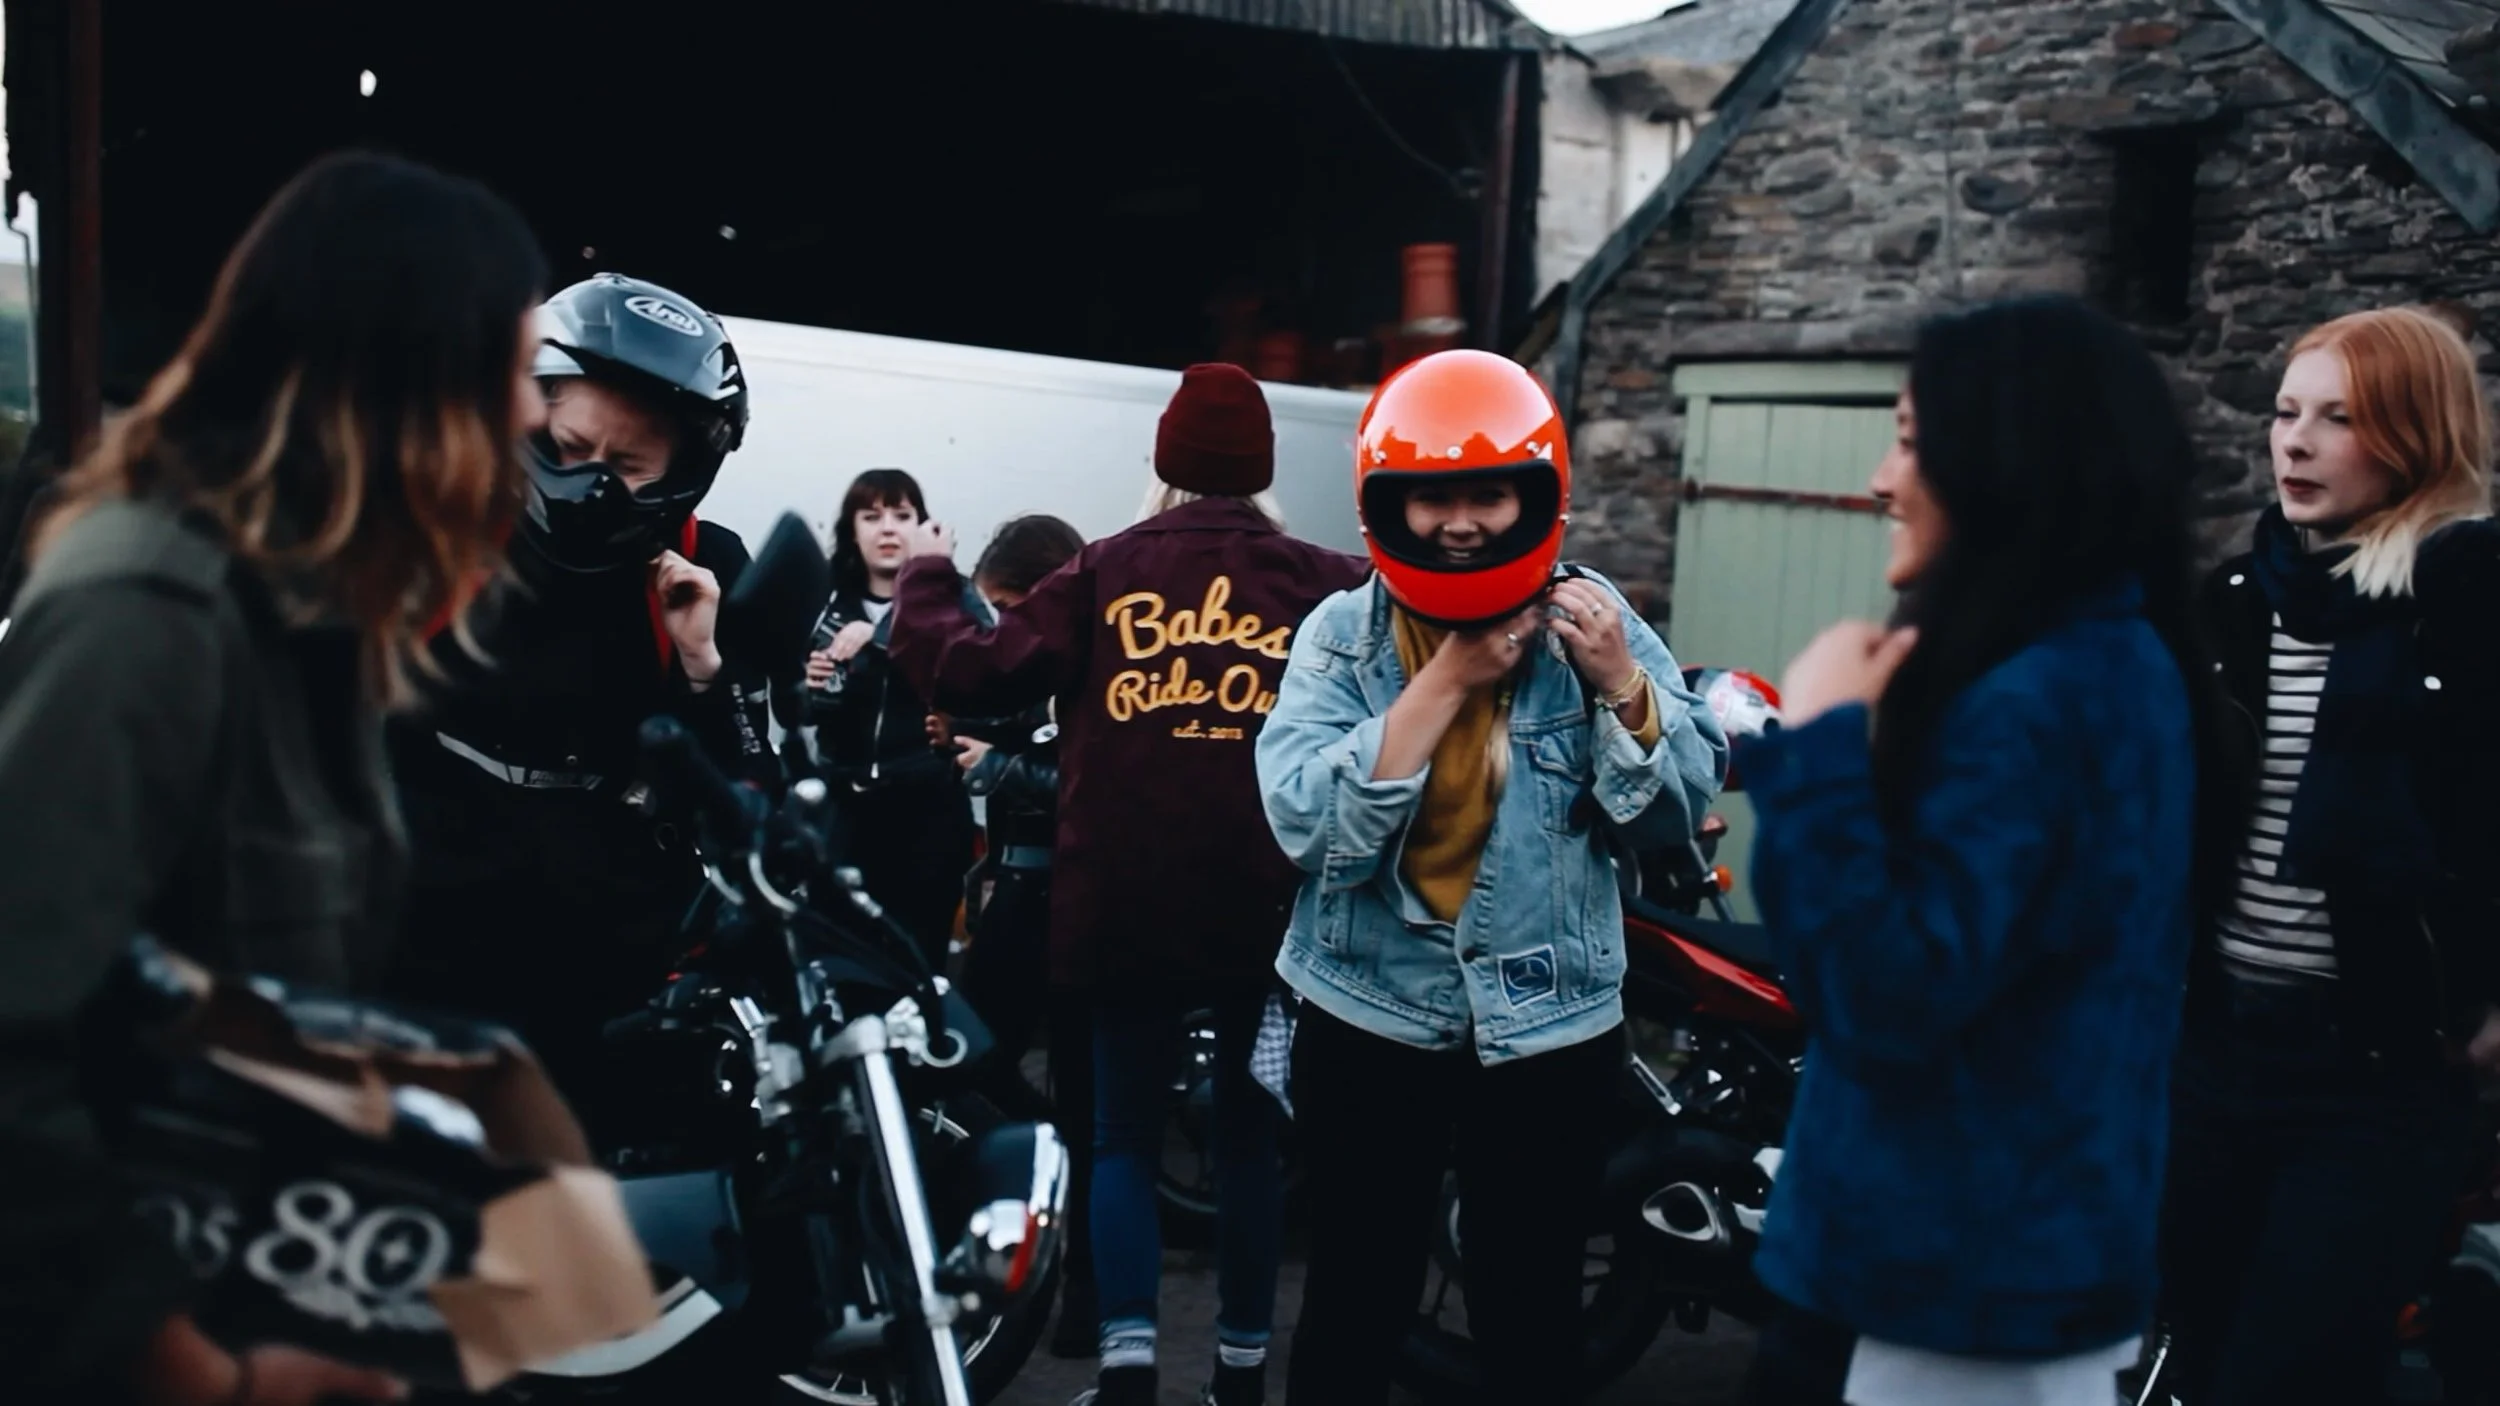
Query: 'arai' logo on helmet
x=665 y=313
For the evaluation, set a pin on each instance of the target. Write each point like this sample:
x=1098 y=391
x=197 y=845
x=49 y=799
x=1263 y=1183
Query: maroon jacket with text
x=1163 y=647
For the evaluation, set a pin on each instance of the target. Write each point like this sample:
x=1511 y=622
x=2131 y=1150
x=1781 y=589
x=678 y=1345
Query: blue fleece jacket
x=1974 y=1165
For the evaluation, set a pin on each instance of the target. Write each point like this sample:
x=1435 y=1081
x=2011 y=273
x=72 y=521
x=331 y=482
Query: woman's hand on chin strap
x=690 y=610
x=1590 y=624
x=1473 y=659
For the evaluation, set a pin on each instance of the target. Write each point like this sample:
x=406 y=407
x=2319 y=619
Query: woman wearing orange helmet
x=1453 y=750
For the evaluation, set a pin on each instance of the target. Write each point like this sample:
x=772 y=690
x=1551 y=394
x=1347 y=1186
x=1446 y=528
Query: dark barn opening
x=1037 y=176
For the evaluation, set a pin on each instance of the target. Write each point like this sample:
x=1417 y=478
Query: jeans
x=1136 y=1051
x=2308 y=1204
x=1379 y=1123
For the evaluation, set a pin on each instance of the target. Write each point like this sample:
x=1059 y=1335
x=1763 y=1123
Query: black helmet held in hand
x=666 y=354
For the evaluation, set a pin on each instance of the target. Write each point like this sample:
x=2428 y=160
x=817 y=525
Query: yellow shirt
x=1470 y=766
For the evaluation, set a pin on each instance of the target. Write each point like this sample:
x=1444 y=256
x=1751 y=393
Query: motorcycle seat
x=1748 y=945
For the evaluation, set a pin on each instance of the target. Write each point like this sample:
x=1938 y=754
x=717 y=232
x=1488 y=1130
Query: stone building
x=2222 y=174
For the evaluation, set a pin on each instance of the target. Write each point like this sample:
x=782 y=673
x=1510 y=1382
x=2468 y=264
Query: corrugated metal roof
x=1698 y=31
x=1422 y=24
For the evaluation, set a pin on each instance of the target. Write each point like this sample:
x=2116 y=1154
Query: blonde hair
x=2418 y=411
x=1162 y=498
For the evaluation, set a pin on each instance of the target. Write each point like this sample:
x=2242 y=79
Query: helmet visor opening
x=1384 y=501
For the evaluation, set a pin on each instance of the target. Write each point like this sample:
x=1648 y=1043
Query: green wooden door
x=1773 y=540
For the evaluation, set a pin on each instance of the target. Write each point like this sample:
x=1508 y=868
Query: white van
x=991 y=435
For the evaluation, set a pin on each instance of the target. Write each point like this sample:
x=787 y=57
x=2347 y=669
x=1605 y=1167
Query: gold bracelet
x=1614 y=701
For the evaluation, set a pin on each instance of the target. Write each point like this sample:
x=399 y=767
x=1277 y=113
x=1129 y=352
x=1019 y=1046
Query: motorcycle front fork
x=2156 y=1388
x=925 y=1333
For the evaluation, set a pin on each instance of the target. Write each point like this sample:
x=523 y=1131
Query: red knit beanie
x=1216 y=437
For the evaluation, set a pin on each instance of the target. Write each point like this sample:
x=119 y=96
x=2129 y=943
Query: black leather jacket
x=524 y=766
x=872 y=731
x=2417 y=962
x=1020 y=778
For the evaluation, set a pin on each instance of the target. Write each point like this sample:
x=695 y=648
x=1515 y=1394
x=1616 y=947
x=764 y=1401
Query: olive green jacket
x=177 y=759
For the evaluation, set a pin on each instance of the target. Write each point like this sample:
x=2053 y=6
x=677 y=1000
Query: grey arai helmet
x=666 y=353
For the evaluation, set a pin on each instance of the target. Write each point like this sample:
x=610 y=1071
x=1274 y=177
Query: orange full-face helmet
x=1453 y=417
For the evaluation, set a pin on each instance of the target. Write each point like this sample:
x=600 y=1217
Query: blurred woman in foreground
x=228 y=595
x=1979 y=849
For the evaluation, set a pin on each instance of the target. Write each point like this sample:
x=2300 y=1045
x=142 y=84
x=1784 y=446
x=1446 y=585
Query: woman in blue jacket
x=1979 y=840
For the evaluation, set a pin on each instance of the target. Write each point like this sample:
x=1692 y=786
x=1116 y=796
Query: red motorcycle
x=1712 y=1073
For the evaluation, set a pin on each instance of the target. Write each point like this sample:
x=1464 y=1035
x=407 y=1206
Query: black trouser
x=911 y=842
x=2309 y=1200
x=1379 y=1123
x=1006 y=974
x=1071 y=1020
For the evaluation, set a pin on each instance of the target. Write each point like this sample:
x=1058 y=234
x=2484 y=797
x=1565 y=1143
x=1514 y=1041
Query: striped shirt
x=2274 y=928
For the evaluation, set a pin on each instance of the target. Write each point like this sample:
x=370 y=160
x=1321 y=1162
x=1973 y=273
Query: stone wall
x=1938 y=152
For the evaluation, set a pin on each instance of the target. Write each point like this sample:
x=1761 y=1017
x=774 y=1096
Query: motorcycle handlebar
x=737 y=817
x=678 y=771
x=632 y=1026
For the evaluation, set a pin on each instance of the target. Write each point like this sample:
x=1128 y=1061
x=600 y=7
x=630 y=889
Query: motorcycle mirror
x=774 y=606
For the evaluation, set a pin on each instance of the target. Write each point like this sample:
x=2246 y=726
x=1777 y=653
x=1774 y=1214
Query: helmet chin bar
x=1467 y=627
x=583 y=520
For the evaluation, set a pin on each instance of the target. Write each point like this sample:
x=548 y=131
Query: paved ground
x=1681 y=1370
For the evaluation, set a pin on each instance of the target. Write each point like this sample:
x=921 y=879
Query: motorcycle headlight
x=1015 y=1178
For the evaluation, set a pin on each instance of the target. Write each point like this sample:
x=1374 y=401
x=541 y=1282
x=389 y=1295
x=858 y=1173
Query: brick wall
x=1938 y=152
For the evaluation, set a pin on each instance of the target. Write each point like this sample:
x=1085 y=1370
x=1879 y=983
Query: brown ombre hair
x=343 y=414
x=2417 y=410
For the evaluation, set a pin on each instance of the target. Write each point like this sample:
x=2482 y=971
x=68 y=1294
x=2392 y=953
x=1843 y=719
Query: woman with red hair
x=2348 y=978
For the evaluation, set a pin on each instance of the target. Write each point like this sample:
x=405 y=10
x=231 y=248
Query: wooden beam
x=82 y=186
x=1493 y=248
x=1808 y=381
x=69 y=273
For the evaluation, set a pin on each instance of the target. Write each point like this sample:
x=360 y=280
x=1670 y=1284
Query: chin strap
x=659 y=614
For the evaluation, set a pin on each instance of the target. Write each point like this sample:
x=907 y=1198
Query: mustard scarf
x=1463 y=788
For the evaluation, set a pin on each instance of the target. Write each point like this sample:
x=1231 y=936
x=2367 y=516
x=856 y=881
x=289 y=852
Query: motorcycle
x=826 y=1220
x=1703 y=1108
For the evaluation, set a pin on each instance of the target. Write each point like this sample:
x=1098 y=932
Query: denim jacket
x=1535 y=960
